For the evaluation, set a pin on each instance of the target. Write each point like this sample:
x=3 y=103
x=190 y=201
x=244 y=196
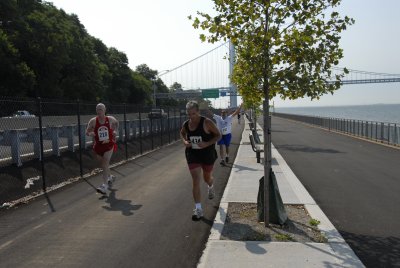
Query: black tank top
x=198 y=135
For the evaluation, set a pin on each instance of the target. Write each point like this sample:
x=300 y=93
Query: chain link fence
x=43 y=142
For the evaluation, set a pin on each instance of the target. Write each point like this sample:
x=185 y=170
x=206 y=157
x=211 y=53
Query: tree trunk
x=266 y=127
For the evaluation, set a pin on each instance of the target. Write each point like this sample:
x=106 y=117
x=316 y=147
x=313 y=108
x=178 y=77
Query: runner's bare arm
x=237 y=110
x=90 y=127
x=212 y=128
x=114 y=123
x=184 y=135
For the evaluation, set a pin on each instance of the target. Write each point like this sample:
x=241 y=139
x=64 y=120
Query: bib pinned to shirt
x=195 y=140
x=103 y=133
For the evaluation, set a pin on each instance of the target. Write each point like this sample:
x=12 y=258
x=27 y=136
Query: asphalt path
x=144 y=222
x=355 y=182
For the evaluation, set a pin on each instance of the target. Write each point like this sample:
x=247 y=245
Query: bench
x=255 y=148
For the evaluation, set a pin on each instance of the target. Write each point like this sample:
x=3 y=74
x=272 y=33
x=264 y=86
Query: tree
x=176 y=87
x=283 y=47
x=148 y=73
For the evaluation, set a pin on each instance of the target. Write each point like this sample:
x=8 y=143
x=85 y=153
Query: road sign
x=210 y=93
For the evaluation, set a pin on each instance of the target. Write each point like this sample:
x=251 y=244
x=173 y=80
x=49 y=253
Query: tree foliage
x=48 y=53
x=284 y=48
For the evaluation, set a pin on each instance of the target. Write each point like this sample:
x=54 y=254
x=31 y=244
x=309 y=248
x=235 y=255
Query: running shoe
x=102 y=189
x=222 y=163
x=211 y=192
x=197 y=214
x=110 y=180
x=227 y=159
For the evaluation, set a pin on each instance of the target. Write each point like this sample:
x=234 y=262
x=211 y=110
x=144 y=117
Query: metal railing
x=51 y=147
x=388 y=133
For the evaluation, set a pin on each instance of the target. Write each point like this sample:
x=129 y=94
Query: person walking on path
x=103 y=129
x=199 y=135
x=224 y=124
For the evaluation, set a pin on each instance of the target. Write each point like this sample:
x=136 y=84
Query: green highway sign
x=210 y=93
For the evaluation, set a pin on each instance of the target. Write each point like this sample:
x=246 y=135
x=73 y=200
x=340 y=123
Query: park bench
x=255 y=148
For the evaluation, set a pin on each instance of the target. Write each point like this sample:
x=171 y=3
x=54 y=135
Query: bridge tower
x=233 y=89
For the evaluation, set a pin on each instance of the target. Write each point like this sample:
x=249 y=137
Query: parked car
x=22 y=113
x=157 y=113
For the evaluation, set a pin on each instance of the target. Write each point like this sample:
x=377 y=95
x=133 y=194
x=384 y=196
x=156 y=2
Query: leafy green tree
x=15 y=76
x=283 y=47
x=147 y=73
x=176 y=87
x=46 y=52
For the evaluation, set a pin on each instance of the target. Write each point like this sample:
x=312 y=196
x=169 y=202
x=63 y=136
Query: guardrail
x=388 y=133
x=25 y=143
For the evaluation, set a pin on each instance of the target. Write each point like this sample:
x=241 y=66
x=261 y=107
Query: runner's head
x=101 y=109
x=223 y=114
x=192 y=109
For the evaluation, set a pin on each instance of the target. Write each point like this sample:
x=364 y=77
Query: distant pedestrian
x=238 y=116
x=224 y=124
x=103 y=128
x=199 y=135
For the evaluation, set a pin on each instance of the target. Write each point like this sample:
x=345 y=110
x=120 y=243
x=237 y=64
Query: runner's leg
x=196 y=175
x=105 y=164
x=222 y=151
x=208 y=178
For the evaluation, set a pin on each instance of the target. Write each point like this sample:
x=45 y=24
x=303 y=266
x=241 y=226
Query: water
x=389 y=113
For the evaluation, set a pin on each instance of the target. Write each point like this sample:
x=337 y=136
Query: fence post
x=39 y=103
x=381 y=132
x=79 y=137
x=140 y=130
x=169 y=127
x=126 y=133
x=175 y=127
x=388 y=131
x=161 y=131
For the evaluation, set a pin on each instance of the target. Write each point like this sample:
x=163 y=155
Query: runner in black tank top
x=199 y=135
x=205 y=156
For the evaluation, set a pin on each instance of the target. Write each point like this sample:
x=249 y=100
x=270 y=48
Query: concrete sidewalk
x=243 y=187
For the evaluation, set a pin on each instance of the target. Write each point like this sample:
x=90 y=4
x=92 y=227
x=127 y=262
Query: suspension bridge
x=208 y=75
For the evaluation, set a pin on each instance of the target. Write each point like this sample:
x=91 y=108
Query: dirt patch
x=241 y=225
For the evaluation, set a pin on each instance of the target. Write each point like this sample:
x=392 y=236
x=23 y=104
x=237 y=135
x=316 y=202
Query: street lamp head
x=163 y=72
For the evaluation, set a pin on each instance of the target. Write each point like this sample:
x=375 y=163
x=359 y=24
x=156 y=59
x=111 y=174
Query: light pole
x=157 y=76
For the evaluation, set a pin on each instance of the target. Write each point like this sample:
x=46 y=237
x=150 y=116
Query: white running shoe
x=211 y=192
x=197 y=214
x=102 y=189
x=110 y=180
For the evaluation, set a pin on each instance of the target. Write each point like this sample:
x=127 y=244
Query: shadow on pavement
x=241 y=168
x=375 y=251
x=122 y=205
x=306 y=149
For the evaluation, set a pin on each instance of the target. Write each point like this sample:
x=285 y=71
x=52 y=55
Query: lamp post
x=157 y=76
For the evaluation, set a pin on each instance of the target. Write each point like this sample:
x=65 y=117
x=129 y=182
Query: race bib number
x=103 y=133
x=224 y=130
x=195 y=140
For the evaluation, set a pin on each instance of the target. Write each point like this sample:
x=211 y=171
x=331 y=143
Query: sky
x=159 y=34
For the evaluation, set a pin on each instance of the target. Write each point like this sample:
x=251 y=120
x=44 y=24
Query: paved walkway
x=243 y=187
